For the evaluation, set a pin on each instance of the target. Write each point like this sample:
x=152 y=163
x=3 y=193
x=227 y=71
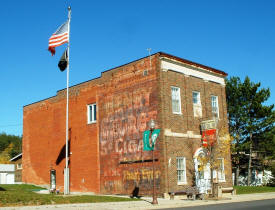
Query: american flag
x=61 y=36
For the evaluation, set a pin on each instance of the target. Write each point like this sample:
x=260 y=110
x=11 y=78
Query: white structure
x=203 y=176
x=7 y=173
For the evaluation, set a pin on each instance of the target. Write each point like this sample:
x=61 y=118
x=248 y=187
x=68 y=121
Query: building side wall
x=127 y=101
x=44 y=137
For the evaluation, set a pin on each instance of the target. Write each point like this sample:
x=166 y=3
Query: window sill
x=178 y=113
x=91 y=122
x=182 y=183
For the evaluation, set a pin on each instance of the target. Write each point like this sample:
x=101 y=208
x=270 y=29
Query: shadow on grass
x=2 y=189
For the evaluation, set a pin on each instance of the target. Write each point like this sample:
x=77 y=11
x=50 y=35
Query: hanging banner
x=146 y=143
x=149 y=143
x=208 y=137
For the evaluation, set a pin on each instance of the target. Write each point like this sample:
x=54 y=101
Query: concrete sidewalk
x=145 y=203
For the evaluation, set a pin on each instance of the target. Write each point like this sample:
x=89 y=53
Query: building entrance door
x=202 y=172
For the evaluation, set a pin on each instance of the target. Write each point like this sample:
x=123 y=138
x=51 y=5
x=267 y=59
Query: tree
x=249 y=119
x=5 y=155
x=6 y=140
x=215 y=155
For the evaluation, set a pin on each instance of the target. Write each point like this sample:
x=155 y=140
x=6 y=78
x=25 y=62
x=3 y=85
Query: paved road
x=250 y=205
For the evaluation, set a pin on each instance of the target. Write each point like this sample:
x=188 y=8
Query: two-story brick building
x=107 y=118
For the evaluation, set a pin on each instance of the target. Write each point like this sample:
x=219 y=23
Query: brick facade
x=17 y=161
x=107 y=156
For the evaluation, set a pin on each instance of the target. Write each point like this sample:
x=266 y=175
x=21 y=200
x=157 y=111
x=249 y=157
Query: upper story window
x=215 y=106
x=91 y=113
x=181 y=170
x=196 y=98
x=197 y=104
x=176 y=102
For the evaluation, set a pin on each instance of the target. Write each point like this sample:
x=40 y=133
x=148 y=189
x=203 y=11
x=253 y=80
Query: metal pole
x=66 y=173
x=155 y=201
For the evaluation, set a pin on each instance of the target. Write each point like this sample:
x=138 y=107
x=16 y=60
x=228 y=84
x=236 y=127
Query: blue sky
x=236 y=36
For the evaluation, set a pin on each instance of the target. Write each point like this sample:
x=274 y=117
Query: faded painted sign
x=123 y=119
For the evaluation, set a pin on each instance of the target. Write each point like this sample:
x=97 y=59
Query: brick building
x=17 y=161
x=106 y=122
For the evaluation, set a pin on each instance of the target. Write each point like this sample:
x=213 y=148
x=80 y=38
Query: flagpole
x=66 y=173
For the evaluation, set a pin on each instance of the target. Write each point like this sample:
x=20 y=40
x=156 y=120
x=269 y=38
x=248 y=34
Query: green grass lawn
x=19 y=195
x=252 y=189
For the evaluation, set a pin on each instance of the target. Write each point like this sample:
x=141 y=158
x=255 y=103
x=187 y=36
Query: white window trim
x=185 y=178
x=218 y=110
x=179 y=100
x=90 y=121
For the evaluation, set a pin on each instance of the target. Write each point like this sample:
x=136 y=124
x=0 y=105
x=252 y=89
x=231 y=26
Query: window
x=91 y=112
x=215 y=106
x=181 y=170
x=19 y=166
x=176 y=104
x=196 y=98
x=145 y=72
x=197 y=104
x=221 y=175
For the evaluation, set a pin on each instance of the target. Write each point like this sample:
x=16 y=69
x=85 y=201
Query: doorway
x=202 y=172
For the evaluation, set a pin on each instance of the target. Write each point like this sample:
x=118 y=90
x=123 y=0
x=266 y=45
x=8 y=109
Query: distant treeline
x=10 y=146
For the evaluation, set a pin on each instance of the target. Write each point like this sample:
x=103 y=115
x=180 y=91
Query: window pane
x=180 y=176
x=175 y=92
x=94 y=119
x=214 y=101
x=90 y=113
x=215 y=107
x=196 y=96
x=181 y=169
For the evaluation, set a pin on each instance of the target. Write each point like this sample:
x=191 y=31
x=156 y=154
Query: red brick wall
x=44 y=137
x=126 y=100
x=174 y=147
x=126 y=103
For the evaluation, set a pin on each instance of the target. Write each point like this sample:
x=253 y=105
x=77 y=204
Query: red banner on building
x=208 y=137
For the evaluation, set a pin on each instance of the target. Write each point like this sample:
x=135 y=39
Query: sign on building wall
x=208 y=128
x=149 y=143
x=208 y=137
